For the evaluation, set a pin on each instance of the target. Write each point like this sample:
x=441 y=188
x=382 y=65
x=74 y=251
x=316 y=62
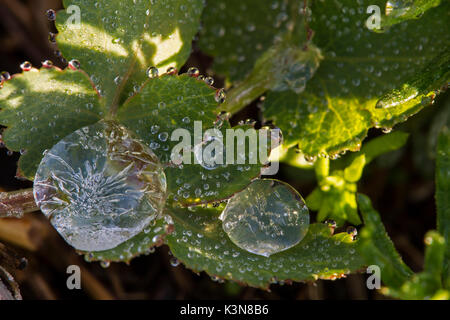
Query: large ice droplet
x=267 y=217
x=100 y=187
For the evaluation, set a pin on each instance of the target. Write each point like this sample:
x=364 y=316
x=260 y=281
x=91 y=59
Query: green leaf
x=354 y=171
x=142 y=243
x=376 y=247
x=116 y=41
x=416 y=93
x=201 y=244
x=400 y=10
x=442 y=195
x=172 y=102
x=335 y=197
x=40 y=107
x=237 y=32
x=337 y=108
x=428 y=283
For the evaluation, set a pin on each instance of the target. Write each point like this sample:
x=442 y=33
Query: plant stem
x=15 y=203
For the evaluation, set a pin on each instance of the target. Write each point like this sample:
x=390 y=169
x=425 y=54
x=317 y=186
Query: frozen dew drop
x=74 y=64
x=269 y=216
x=51 y=14
x=152 y=72
x=100 y=187
x=193 y=72
x=26 y=66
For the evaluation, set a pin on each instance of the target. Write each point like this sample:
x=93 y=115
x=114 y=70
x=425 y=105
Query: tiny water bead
x=100 y=187
x=152 y=72
x=26 y=66
x=51 y=14
x=269 y=216
x=74 y=64
x=193 y=72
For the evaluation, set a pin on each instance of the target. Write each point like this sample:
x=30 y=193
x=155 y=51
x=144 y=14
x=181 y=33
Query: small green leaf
x=40 y=107
x=376 y=247
x=442 y=195
x=337 y=108
x=201 y=244
x=116 y=41
x=354 y=171
x=335 y=197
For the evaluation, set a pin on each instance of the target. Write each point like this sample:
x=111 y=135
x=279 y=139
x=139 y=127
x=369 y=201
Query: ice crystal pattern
x=267 y=217
x=100 y=187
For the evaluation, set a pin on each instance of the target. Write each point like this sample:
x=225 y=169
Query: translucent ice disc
x=269 y=216
x=99 y=187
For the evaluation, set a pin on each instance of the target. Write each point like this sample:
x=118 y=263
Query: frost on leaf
x=99 y=187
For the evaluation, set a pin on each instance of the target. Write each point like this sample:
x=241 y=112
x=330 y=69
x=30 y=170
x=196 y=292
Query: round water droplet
x=5 y=76
x=193 y=72
x=269 y=216
x=99 y=187
x=171 y=71
x=209 y=81
x=152 y=72
x=47 y=64
x=51 y=14
x=352 y=231
x=220 y=95
x=26 y=66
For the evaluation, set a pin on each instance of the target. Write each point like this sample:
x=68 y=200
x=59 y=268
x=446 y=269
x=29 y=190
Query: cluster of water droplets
x=100 y=187
x=267 y=217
